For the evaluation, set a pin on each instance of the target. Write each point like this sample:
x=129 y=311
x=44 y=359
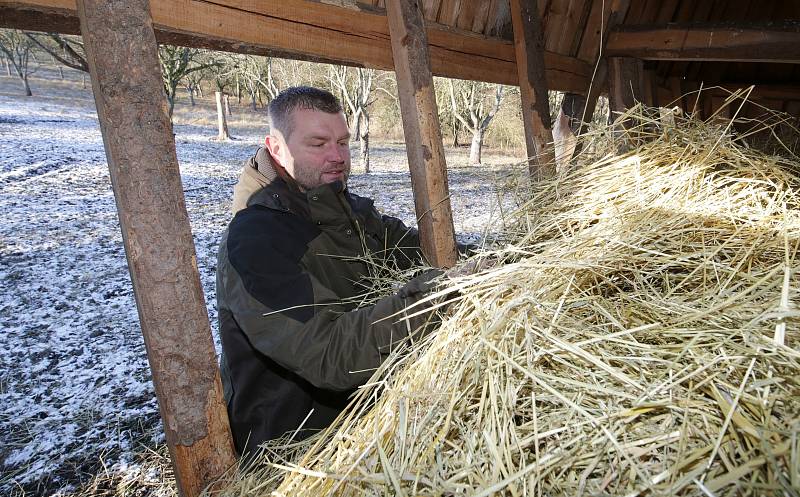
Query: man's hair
x=299 y=97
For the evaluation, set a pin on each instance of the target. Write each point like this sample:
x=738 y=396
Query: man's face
x=317 y=150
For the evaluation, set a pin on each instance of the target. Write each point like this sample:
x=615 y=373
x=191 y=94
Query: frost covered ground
x=76 y=398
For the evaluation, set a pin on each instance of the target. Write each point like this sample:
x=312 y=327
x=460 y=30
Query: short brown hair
x=299 y=97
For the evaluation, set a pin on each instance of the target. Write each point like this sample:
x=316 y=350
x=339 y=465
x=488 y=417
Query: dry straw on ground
x=641 y=340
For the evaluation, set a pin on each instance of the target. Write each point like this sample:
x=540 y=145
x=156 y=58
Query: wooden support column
x=422 y=132
x=625 y=83
x=619 y=9
x=566 y=128
x=529 y=50
x=131 y=105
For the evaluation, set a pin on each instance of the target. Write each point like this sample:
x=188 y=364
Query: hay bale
x=642 y=340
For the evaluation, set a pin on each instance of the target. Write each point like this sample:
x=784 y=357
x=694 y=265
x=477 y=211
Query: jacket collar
x=281 y=192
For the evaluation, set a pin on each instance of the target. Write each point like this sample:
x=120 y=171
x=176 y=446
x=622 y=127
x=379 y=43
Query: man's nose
x=336 y=153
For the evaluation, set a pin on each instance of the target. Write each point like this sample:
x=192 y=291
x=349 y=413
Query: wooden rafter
x=313 y=31
x=770 y=42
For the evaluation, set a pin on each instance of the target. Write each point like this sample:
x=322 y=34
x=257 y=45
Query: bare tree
x=258 y=76
x=17 y=49
x=221 y=70
x=68 y=50
x=355 y=86
x=176 y=64
x=468 y=100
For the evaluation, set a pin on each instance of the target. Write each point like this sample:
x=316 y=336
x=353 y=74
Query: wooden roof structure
x=684 y=42
x=653 y=51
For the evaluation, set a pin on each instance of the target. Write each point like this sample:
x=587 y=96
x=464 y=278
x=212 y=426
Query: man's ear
x=274 y=146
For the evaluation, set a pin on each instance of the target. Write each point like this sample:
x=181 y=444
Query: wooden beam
x=618 y=9
x=140 y=149
x=625 y=83
x=529 y=47
x=305 y=30
x=422 y=132
x=777 y=42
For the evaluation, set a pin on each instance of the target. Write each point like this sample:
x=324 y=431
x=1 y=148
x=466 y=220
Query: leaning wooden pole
x=618 y=9
x=529 y=51
x=422 y=132
x=132 y=107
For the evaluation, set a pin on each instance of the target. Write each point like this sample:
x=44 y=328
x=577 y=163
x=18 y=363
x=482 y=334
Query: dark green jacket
x=294 y=344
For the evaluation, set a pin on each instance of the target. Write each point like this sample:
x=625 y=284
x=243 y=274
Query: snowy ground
x=75 y=390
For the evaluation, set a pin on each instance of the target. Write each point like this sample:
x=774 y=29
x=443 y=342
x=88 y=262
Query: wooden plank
x=422 y=133
x=481 y=18
x=568 y=26
x=430 y=9
x=625 y=83
x=777 y=42
x=140 y=148
x=529 y=43
x=311 y=31
x=466 y=17
x=448 y=12
x=493 y=18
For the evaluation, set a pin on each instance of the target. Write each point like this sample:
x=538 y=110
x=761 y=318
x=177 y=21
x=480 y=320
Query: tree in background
x=355 y=86
x=257 y=74
x=176 y=64
x=474 y=105
x=68 y=50
x=222 y=69
x=17 y=48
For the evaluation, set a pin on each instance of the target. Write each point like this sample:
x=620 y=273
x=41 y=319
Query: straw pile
x=641 y=339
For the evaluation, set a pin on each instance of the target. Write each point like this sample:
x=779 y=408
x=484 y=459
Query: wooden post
x=625 y=83
x=222 y=122
x=618 y=11
x=137 y=133
x=529 y=51
x=422 y=132
x=567 y=126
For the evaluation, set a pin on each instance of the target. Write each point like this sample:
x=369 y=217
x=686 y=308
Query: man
x=290 y=272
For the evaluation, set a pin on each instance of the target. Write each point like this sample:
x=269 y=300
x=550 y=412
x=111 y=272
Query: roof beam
x=777 y=42
x=306 y=30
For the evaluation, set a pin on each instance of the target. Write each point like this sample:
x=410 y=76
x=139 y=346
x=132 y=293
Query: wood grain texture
x=777 y=42
x=529 y=46
x=314 y=31
x=132 y=108
x=424 y=147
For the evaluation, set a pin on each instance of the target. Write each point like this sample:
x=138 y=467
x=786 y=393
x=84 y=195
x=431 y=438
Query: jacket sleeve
x=408 y=243
x=291 y=318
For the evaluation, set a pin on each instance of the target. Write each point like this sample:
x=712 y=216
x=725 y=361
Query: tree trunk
x=221 y=121
x=190 y=91
x=477 y=145
x=200 y=91
x=456 y=129
x=27 y=87
x=83 y=81
x=365 y=143
x=238 y=91
x=227 y=102
x=8 y=68
x=254 y=98
x=61 y=73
